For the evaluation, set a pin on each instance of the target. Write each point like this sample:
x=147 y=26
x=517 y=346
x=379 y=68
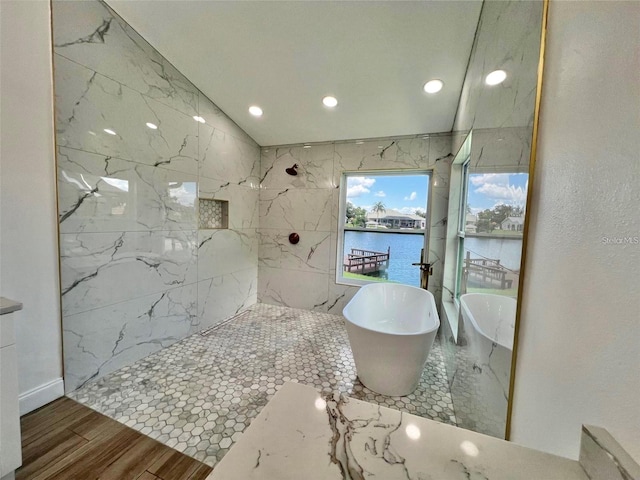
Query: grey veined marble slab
x=603 y=458
x=302 y=434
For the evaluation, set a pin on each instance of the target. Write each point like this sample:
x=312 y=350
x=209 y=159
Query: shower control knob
x=294 y=238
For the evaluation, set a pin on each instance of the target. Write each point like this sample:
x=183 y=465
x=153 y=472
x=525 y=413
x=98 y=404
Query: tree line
x=491 y=218
x=357 y=216
x=488 y=219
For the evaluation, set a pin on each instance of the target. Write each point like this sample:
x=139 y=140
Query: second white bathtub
x=488 y=326
x=391 y=329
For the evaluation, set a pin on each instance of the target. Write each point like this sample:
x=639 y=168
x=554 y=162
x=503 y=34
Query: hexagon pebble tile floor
x=200 y=394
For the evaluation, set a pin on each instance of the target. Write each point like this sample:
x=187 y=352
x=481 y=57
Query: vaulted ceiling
x=285 y=56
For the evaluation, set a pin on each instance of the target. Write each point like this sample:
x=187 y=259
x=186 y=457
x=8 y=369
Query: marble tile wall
x=501 y=116
x=501 y=120
x=303 y=275
x=507 y=38
x=602 y=457
x=137 y=273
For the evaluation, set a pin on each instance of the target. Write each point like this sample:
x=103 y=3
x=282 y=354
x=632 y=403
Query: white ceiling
x=284 y=56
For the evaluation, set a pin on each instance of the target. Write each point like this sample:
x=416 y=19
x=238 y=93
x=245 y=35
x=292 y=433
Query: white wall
x=28 y=238
x=579 y=350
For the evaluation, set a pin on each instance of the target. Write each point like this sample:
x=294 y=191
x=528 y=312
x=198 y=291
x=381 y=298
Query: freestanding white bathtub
x=488 y=328
x=391 y=329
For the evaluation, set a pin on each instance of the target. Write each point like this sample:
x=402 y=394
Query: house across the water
x=395 y=219
x=512 y=223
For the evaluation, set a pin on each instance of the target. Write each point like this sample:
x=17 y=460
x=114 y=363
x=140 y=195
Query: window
x=383 y=226
x=490 y=231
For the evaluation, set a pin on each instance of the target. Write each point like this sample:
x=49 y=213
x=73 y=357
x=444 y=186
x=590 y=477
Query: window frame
x=339 y=279
x=465 y=174
x=460 y=234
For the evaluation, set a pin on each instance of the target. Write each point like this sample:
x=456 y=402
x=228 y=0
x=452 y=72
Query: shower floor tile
x=200 y=394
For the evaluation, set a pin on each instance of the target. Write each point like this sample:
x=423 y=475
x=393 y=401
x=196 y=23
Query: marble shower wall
x=303 y=275
x=137 y=274
x=507 y=38
x=501 y=119
x=501 y=116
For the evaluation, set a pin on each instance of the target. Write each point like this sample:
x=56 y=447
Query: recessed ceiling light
x=152 y=126
x=306 y=146
x=433 y=86
x=198 y=119
x=495 y=77
x=330 y=101
x=109 y=131
x=255 y=111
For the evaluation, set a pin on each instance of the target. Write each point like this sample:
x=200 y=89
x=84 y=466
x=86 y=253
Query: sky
x=408 y=193
x=405 y=193
x=487 y=190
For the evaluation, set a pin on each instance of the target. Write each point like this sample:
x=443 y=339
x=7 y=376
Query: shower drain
x=210 y=330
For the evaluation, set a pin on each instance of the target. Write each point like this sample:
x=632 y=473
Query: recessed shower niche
x=213 y=213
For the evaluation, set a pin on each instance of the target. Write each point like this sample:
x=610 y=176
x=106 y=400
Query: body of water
x=508 y=249
x=405 y=250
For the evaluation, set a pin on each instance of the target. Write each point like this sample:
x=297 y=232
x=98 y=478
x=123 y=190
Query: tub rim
x=432 y=329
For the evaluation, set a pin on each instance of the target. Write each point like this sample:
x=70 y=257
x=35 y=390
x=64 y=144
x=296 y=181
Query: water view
x=507 y=249
x=405 y=250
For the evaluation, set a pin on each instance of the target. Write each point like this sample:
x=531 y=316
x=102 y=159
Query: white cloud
x=494 y=178
x=380 y=194
x=357 y=186
x=356 y=191
x=495 y=186
x=508 y=194
x=411 y=197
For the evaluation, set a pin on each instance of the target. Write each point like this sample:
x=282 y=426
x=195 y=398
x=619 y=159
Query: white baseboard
x=41 y=395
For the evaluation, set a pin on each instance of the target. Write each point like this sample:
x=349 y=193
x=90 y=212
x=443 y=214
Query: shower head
x=292 y=170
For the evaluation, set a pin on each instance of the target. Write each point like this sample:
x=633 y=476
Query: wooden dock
x=486 y=270
x=366 y=261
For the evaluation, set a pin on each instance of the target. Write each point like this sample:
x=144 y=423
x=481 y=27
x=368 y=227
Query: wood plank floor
x=66 y=440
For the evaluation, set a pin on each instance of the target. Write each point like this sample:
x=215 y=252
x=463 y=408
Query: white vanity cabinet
x=10 y=450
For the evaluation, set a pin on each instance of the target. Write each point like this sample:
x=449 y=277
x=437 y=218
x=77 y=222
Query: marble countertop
x=301 y=434
x=8 y=306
